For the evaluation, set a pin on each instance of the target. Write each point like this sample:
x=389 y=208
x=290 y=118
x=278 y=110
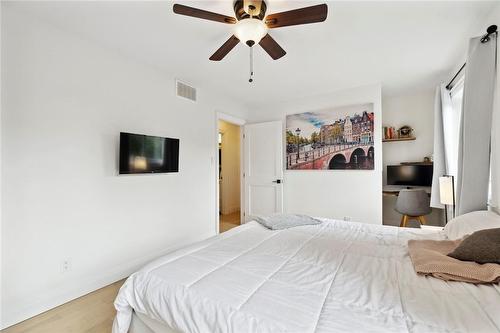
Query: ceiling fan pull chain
x=251 y=65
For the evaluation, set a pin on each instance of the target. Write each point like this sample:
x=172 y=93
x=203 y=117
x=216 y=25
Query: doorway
x=229 y=175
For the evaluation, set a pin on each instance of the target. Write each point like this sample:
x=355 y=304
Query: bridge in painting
x=327 y=157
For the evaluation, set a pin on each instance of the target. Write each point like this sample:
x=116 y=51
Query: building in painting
x=348 y=129
x=362 y=128
x=355 y=129
x=332 y=133
x=324 y=134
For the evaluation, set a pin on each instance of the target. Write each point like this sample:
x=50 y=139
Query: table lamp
x=447 y=193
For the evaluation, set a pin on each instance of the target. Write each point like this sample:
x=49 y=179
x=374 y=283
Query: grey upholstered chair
x=413 y=204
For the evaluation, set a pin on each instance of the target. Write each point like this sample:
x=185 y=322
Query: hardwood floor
x=229 y=221
x=92 y=313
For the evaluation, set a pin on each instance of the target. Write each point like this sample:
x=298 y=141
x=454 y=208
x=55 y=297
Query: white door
x=263 y=172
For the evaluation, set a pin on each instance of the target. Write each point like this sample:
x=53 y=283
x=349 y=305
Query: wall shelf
x=399 y=139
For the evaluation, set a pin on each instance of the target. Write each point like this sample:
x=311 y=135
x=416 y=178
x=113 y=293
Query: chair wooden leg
x=404 y=221
x=402 y=224
x=421 y=219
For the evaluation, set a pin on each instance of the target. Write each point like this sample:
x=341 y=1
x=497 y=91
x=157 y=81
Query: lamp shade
x=250 y=29
x=446 y=189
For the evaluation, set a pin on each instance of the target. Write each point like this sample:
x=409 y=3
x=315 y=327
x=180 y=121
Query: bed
x=333 y=277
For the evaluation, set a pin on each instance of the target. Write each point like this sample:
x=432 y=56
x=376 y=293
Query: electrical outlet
x=347 y=218
x=66 y=265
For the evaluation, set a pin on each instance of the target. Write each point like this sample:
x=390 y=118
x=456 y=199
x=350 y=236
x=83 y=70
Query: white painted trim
x=216 y=172
x=242 y=173
x=240 y=122
x=1 y=191
x=230 y=119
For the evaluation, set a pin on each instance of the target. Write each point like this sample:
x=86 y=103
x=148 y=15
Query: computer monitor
x=409 y=175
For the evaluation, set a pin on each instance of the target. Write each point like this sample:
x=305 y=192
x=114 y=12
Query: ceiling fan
x=252 y=25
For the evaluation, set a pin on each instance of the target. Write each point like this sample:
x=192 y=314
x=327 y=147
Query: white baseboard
x=81 y=287
x=77 y=289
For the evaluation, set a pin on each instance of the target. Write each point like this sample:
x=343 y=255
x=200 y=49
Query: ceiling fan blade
x=203 y=14
x=272 y=47
x=225 y=49
x=304 y=15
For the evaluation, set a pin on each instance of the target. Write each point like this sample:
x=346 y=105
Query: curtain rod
x=492 y=29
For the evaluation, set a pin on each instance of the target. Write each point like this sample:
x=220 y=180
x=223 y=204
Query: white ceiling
x=403 y=45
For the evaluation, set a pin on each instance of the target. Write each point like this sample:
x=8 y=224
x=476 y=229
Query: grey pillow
x=285 y=221
x=482 y=246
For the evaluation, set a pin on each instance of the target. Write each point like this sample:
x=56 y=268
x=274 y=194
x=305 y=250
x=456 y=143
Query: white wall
x=64 y=102
x=230 y=185
x=416 y=110
x=356 y=194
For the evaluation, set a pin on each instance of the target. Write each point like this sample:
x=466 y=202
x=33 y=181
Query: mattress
x=143 y=324
x=334 y=277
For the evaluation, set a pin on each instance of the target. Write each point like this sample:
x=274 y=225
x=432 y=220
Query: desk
x=393 y=190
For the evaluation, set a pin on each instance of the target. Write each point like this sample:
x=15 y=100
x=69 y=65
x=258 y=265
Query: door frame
x=239 y=122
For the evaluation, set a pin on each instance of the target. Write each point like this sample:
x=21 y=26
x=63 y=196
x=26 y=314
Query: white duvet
x=333 y=277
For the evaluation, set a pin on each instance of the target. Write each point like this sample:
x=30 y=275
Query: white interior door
x=263 y=171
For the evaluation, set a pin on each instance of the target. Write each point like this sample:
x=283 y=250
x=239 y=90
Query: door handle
x=277 y=181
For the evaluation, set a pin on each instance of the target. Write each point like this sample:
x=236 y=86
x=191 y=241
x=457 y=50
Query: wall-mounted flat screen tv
x=409 y=175
x=148 y=154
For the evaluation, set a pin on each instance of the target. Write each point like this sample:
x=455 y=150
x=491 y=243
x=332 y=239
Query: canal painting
x=336 y=138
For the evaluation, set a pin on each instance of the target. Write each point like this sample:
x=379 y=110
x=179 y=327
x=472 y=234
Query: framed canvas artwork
x=331 y=139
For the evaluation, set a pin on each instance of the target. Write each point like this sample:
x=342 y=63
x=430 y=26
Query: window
x=451 y=126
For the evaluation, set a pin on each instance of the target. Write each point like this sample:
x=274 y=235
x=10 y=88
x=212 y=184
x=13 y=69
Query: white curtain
x=442 y=111
x=495 y=149
x=476 y=125
x=447 y=114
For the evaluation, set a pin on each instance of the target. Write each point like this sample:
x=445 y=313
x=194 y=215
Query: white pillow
x=285 y=221
x=471 y=222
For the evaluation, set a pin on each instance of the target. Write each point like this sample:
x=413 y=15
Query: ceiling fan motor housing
x=250 y=9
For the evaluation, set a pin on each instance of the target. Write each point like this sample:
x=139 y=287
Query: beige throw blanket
x=429 y=257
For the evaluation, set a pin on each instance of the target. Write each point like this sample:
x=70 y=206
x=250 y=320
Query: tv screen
x=148 y=154
x=409 y=175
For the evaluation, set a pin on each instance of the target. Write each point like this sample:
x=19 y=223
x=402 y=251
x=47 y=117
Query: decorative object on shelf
x=405 y=132
x=428 y=159
x=390 y=133
x=336 y=138
x=447 y=194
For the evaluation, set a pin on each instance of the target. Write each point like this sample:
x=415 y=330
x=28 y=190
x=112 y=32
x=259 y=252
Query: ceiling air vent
x=185 y=91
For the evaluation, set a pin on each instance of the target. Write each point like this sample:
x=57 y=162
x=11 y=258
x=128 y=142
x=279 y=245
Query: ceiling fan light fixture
x=250 y=31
